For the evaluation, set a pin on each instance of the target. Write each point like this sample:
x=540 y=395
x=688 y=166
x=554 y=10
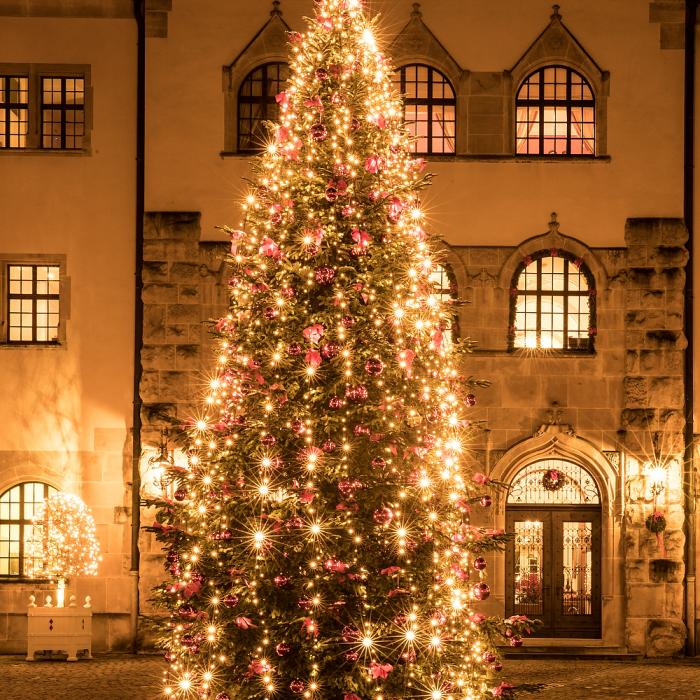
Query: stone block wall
x=625 y=399
x=653 y=420
x=183 y=289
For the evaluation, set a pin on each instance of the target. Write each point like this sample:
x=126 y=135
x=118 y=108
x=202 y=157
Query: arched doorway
x=553 y=562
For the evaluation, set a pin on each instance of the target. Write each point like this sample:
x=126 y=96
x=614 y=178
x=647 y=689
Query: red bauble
x=350 y=634
x=180 y=494
x=486 y=501
x=330 y=350
x=498 y=666
x=172 y=557
x=187 y=611
x=268 y=440
x=329 y=446
x=470 y=400
x=282 y=581
x=297 y=686
x=331 y=193
x=298 y=426
x=348 y=321
x=282 y=649
x=335 y=402
x=348 y=487
x=223 y=696
x=322 y=74
x=351 y=656
x=230 y=600
x=354 y=125
x=374 y=366
x=479 y=563
x=294 y=349
x=319 y=132
x=379 y=463
x=383 y=516
x=481 y=591
x=357 y=393
x=360 y=430
x=295 y=522
x=489 y=657
x=516 y=641
x=324 y=275
x=269 y=313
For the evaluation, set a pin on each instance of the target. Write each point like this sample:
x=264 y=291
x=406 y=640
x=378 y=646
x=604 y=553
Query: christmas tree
x=319 y=542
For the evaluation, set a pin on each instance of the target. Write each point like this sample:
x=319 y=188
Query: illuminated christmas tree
x=63 y=541
x=319 y=542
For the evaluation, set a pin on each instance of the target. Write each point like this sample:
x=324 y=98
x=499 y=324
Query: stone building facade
x=608 y=409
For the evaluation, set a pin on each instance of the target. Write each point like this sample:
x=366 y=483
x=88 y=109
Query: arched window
x=553 y=482
x=429 y=108
x=552 y=303
x=555 y=110
x=445 y=289
x=17 y=507
x=257 y=104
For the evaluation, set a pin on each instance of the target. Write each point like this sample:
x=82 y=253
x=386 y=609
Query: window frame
x=22 y=522
x=452 y=292
x=430 y=102
x=8 y=106
x=568 y=103
x=35 y=72
x=264 y=100
x=565 y=294
x=34 y=260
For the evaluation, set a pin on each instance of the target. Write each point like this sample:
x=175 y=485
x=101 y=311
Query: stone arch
x=560 y=441
x=557 y=45
x=269 y=45
x=27 y=471
x=553 y=239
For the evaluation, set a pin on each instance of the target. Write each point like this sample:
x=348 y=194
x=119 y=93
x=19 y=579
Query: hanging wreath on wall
x=656 y=522
x=553 y=480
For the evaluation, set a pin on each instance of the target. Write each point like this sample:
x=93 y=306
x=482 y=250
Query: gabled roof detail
x=557 y=45
x=416 y=43
x=269 y=44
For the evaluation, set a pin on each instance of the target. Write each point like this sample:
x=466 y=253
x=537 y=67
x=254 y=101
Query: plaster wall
x=66 y=411
x=642 y=178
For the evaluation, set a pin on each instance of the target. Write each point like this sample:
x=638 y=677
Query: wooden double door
x=553 y=568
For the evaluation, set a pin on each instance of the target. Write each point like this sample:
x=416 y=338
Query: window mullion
x=538 y=313
x=565 y=305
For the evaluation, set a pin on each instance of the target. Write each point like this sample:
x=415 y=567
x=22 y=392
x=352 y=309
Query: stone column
x=653 y=421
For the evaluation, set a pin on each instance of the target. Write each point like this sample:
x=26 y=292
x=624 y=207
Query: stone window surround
x=485 y=98
x=36 y=71
x=560 y=441
x=7 y=259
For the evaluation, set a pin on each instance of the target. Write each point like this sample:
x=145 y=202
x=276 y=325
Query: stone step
x=597 y=653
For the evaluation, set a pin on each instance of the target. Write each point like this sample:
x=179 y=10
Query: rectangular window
x=14 y=111
x=62 y=112
x=33 y=303
x=45 y=108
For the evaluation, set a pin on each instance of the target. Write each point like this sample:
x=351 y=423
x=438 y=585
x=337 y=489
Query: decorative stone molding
x=557 y=45
x=112 y=9
x=553 y=239
x=670 y=16
x=269 y=45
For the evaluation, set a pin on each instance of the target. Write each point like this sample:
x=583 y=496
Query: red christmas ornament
x=383 y=516
x=180 y=494
x=322 y=74
x=351 y=656
x=360 y=430
x=268 y=440
x=297 y=686
x=350 y=634
x=329 y=446
x=470 y=400
x=281 y=581
x=335 y=402
x=354 y=125
x=489 y=657
x=187 y=611
x=319 y=132
x=356 y=393
x=516 y=641
x=330 y=350
x=348 y=321
x=270 y=313
x=294 y=349
x=348 y=487
x=486 y=501
x=230 y=600
x=481 y=591
x=324 y=275
x=374 y=366
x=282 y=649
x=298 y=426
x=479 y=563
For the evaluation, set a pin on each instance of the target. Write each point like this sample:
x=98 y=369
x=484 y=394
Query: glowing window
x=14 y=111
x=257 y=104
x=429 y=108
x=33 y=303
x=555 y=114
x=62 y=113
x=552 y=303
x=17 y=508
x=553 y=482
x=445 y=290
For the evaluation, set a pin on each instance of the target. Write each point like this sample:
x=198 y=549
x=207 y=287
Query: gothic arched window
x=552 y=303
x=429 y=108
x=257 y=103
x=555 y=114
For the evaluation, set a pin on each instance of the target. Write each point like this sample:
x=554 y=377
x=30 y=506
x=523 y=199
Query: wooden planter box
x=66 y=630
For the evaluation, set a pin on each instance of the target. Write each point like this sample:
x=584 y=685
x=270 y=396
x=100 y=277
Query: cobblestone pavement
x=116 y=677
